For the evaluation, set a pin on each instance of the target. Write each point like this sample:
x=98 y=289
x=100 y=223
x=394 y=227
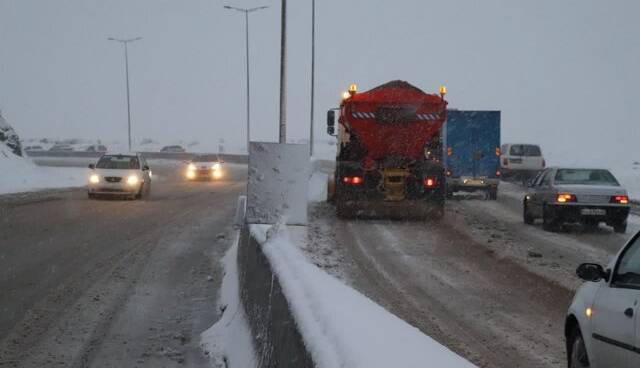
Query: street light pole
x=125 y=42
x=283 y=74
x=313 y=70
x=246 y=26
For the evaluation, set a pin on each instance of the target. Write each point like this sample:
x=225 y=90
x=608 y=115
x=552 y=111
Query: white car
x=602 y=328
x=204 y=167
x=124 y=175
x=521 y=161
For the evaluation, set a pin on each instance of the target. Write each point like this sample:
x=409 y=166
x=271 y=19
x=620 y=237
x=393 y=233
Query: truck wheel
x=343 y=211
x=620 y=227
x=527 y=217
x=578 y=357
x=492 y=194
x=549 y=219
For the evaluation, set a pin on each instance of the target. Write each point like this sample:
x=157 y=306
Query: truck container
x=389 y=157
x=471 y=141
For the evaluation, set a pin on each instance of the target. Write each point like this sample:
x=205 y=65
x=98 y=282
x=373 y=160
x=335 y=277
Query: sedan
x=602 y=327
x=205 y=167
x=587 y=196
x=123 y=175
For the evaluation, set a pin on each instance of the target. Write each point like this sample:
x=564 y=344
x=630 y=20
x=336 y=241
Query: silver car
x=602 y=327
x=566 y=195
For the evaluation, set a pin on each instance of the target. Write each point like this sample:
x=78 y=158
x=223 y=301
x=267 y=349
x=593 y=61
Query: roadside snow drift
x=341 y=327
x=19 y=174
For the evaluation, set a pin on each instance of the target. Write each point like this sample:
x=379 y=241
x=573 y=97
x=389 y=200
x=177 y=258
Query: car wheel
x=620 y=227
x=549 y=219
x=578 y=357
x=493 y=194
x=527 y=217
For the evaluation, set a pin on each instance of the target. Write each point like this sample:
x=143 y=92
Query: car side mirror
x=92 y=166
x=591 y=272
x=145 y=168
x=331 y=122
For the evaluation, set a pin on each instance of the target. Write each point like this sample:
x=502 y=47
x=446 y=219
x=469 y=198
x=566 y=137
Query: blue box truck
x=471 y=143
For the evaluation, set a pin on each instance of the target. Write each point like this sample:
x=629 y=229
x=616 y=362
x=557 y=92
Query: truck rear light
x=449 y=151
x=620 y=199
x=430 y=181
x=498 y=152
x=353 y=180
x=566 y=198
x=449 y=173
x=498 y=173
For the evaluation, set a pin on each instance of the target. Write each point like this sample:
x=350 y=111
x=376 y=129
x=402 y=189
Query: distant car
x=589 y=196
x=126 y=175
x=33 y=148
x=97 y=148
x=204 y=167
x=61 y=148
x=173 y=149
x=521 y=161
x=601 y=327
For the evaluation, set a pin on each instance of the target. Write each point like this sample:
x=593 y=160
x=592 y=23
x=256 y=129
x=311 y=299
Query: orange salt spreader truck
x=389 y=157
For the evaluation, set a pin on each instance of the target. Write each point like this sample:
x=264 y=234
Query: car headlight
x=133 y=180
x=94 y=179
x=191 y=174
x=191 y=167
x=216 y=166
x=217 y=174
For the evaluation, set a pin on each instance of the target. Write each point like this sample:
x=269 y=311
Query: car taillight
x=565 y=198
x=621 y=199
x=353 y=180
x=430 y=181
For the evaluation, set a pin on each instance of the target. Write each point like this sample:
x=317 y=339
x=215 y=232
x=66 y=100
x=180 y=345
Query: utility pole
x=313 y=72
x=246 y=25
x=125 y=42
x=283 y=74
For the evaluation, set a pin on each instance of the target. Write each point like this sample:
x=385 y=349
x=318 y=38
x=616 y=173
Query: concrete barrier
x=277 y=341
x=227 y=157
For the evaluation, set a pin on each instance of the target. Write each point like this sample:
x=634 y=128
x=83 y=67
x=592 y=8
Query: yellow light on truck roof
x=353 y=88
x=443 y=90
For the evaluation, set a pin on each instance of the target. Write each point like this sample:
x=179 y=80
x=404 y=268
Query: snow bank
x=340 y=326
x=19 y=174
x=228 y=342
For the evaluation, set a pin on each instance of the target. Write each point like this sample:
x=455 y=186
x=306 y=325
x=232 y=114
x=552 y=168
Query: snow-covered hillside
x=18 y=174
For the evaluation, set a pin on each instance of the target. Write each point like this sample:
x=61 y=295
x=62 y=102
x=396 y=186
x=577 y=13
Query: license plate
x=593 y=212
x=474 y=182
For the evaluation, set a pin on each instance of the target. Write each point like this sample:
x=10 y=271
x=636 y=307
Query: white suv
x=521 y=160
x=126 y=175
x=602 y=328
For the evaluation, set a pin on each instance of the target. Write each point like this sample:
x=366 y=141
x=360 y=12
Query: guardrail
x=184 y=156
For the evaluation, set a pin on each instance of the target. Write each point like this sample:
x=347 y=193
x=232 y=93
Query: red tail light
x=353 y=180
x=498 y=152
x=430 y=181
x=566 y=198
x=498 y=173
x=621 y=199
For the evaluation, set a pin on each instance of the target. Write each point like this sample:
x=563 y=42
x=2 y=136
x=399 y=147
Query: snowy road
x=481 y=282
x=113 y=283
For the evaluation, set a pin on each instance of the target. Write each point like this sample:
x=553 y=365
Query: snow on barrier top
x=340 y=326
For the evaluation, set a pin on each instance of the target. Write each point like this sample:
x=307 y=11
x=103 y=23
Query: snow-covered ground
x=19 y=174
x=336 y=321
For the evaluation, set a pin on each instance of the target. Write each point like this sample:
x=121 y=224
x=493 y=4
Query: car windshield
x=118 y=163
x=205 y=159
x=529 y=150
x=585 y=177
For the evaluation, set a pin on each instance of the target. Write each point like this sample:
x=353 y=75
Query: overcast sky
x=564 y=73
